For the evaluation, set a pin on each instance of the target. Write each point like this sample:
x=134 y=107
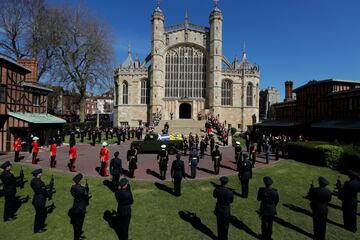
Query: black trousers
x=349 y=216
x=115 y=178
x=163 y=173
x=266 y=227
x=222 y=227
x=244 y=187
x=16 y=157
x=40 y=216
x=77 y=222
x=319 y=224
x=124 y=223
x=52 y=161
x=177 y=186
x=193 y=171
x=9 y=207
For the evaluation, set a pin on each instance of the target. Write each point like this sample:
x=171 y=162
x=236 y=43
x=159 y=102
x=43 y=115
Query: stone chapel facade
x=187 y=74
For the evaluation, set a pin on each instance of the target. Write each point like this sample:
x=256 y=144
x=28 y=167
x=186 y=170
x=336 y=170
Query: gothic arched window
x=185 y=73
x=144 y=92
x=125 y=88
x=116 y=94
x=249 y=94
x=226 y=92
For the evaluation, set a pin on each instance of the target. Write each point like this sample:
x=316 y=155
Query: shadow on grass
x=206 y=170
x=153 y=173
x=165 y=188
x=231 y=189
x=286 y=224
x=112 y=220
x=227 y=167
x=242 y=226
x=110 y=185
x=307 y=212
x=196 y=223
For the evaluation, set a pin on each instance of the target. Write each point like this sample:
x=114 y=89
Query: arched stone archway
x=185 y=111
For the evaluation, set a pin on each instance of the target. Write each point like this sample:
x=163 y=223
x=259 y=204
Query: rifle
x=310 y=189
x=20 y=179
x=87 y=192
x=51 y=188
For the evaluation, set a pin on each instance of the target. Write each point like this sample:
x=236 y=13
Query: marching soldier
x=39 y=201
x=104 y=158
x=125 y=199
x=131 y=157
x=269 y=198
x=106 y=134
x=17 y=148
x=224 y=198
x=319 y=199
x=163 y=159
x=116 y=168
x=185 y=145
x=72 y=140
x=202 y=147
x=245 y=174
x=267 y=150
x=72 y=158
x=78 y=210
x=177 y=173
x=82 y=135
x=10 y=183
x=216 y=157
x=53 y=149
x=35 y=150
x=348 y=195
x=212 y=144
x=253 y=154
x=118 y=136
x=193 y=161
x=238 y=152
x=93 y=137
x=99 y=133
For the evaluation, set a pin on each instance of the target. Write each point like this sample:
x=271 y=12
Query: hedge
x=339 y=157
x=69 y=126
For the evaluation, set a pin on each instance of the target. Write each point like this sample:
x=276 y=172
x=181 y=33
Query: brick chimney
x=32 y=65
x=288 y=90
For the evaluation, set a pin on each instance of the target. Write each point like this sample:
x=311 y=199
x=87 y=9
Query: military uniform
x=245 y=174
x=202 y=147
x=78 y=210
x=193 y=162
x=163 y=159
x=9 y=190
x=216 y=157
x=116 y=168
x=238 y=153
x=132 y=161
x=125 y=200
x=177 y=173
x=39 y=201
x=53 y=149
x=319 y=199
x=269 y=198
x=224 y=198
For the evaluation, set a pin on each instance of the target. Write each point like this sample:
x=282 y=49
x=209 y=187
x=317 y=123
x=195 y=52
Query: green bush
x=329 y=155
x=305 y=152
x=351 y=158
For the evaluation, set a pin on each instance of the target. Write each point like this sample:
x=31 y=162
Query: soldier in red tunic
x=53 y=153
x=72 y=158
x=104 y=158
x=17 y=148
x=35 y=150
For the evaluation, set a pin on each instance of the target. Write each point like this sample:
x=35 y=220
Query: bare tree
x=84 y=52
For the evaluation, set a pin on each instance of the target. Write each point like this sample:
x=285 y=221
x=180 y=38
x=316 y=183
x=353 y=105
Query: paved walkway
x=88 y=161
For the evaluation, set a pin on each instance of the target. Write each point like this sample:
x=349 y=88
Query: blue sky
x=297 y=40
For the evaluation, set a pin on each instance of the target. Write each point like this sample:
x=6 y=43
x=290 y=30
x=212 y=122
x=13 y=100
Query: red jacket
x=35 y=147
x=53 y=149
x=17 y=144
x=104 y=154
x=72 y=152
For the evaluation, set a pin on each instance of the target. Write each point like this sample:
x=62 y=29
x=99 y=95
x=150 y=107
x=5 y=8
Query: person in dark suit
x=177 y=173
x=224 y=198
x=193 y=161
x=163 y=159
x=125 y=199
x=216 y=157
x=319 y=199
x=78 y=210
x=39 y=201
x=132 y=161
x=348 y=196
x=116 y=168
x=269 y=198
x=245 y=174
x=10 y=183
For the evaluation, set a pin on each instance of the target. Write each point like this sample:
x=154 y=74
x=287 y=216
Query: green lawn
x=156 y=212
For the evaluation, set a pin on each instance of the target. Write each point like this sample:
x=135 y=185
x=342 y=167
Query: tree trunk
x=82 y=109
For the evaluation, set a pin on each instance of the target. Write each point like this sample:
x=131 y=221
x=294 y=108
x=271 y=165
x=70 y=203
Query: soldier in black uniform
x=39 y=201
x=72 y=138
x=9 y=189
x=125 y=199
x=78 y=210
x=245 y=174
x=93 y=137
x=348 y=196
x=123 y=133
x=269 y=198
x=163 y=159
x=106 y=134
x=319 y=199
x=216 y=157
x=224 y=198
x=212 y=145
x=185 y=145
x=177 y=173
x=238 y=152
x=118 y=136
x=82 y=134
x=131 y=157
x=116 y=168
x=193 y=161
x=99 y=134
x=202 y=147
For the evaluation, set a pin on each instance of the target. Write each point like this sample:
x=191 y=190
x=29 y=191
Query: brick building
x=23 y=104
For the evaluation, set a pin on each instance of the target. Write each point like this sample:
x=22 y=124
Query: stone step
x=184 y=126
